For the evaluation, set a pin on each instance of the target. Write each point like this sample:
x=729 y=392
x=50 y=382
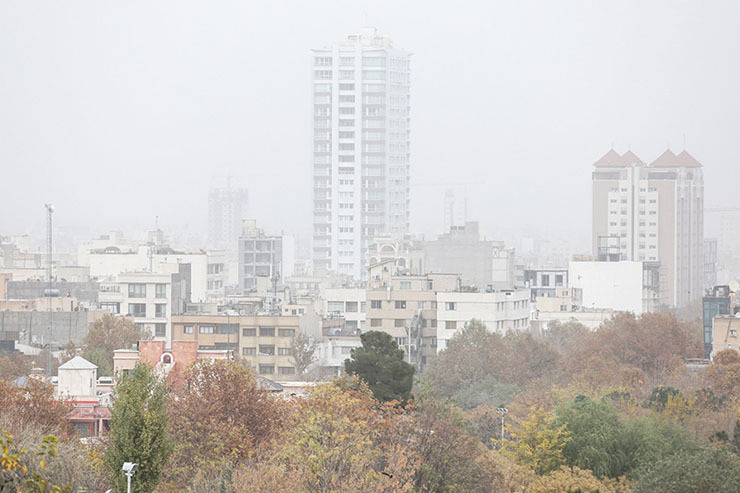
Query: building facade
x=652 y=212
x=227 y=207
x=360 y=155
x=260 y=256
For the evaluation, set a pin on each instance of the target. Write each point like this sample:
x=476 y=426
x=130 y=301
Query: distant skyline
x=120 y=113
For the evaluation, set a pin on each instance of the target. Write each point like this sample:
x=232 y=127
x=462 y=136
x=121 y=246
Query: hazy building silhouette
x=360 y=155
x=227 y=207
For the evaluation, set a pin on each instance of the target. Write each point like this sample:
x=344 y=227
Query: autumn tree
x=380 y=363
x=337 y=439
x=538 y=441
x=572 y=479
x=723 y=375
x=221 y=414
x=14 y=365
x=452 y=458
x=105 y=335
x=139 y=430
x=303 y=352
x=34 y=404
x=565 y=337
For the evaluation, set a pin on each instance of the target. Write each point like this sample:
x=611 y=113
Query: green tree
x=107 y=334
x=139 y=430
x=710 y=469
x=379 y=362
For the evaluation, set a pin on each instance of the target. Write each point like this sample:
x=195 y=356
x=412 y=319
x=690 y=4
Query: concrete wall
x=33 y=326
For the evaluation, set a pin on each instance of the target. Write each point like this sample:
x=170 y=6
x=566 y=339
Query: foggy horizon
x=137 y=108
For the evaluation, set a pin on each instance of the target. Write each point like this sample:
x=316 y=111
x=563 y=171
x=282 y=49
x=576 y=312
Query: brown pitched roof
x=610 y=159
x=667 y=159
x=629 y=157
x=688 y=160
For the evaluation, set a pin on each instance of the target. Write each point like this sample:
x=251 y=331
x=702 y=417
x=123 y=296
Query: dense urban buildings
x=652 y=212
x=361 y=146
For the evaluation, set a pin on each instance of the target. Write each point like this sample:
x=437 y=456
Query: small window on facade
x=450 y=324
x=377 y=304
x=400 y=305
x=267 y=331
x=286 y=332
x=188 y=329
x=249 y=351
x=249 y=332
x=205 y=329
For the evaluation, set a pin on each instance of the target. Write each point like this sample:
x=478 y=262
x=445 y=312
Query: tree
x=17 y=471
x=34 y=404
x=221 y=414
x=712 y=468
x=337 y=439
x=379 y=362
x=566 y=336
x=107 y=334
x=567 y=480
x=139 y=430
x=303 y=352
x=538 y=442
x=14 y=365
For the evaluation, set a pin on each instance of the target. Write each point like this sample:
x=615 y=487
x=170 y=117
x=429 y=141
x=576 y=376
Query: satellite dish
x=734 y=286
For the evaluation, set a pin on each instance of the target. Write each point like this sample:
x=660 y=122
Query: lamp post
x=503 y=412
x=49 y=212
x=129 y=468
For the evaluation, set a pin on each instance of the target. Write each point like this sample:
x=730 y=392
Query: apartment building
x=361 y=148
x=652 y=212
x=151 y=299
x=260 y=256
x=349 y=303
x=544 y=281
x=423 y=312
x=227 y=207
x=265 y=341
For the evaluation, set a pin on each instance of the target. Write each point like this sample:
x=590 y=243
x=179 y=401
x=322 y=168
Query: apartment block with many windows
x=361 y=149
x=265 y=341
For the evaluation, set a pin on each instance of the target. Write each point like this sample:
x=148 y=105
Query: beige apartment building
x=264 y=341
x=653 y=213
x=725 y=334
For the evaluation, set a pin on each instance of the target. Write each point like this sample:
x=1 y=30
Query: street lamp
x=129 y=468
x=503 y=412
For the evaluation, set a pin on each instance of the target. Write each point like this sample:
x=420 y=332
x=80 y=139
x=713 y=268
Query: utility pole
x=503 y=412
x=49 y=212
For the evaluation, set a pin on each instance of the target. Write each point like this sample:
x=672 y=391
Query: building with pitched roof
x=652 y=213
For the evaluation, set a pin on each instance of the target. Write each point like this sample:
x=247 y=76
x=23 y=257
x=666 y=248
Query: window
x=267 y=369
x=558 y=280
x=335 y=306
x=206 y=329
x=137 y=290
x=160 y=290
x=545 y=280
x=286 y=370
x=114 y=308
x=267 y=350
x=378 y=304
x=188 y=329
x=160 y=310
x=249 y=332
x=286 y=332
x=451 y=324
x=160 y=330
x=400 y=305
x=228 y=328
x=733 y=333
x=376 y=322
x=249 y=351
x=267 y=331
x=351 y=307
x=284 y=351
x=346 y=87
x=450 y=306
x=137 y=309
x=405 y=284
x=399 y=322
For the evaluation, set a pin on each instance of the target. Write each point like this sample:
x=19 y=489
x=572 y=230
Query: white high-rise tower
x=360 y=155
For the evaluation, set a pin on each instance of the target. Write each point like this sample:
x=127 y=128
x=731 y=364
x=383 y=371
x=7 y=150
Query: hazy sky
x=118 y=112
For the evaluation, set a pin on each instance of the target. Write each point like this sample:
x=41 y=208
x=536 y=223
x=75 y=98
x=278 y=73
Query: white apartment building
x=500 y=311
x=360 y=155
x=348 y=303
x=151 y=299
x=652 y=212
